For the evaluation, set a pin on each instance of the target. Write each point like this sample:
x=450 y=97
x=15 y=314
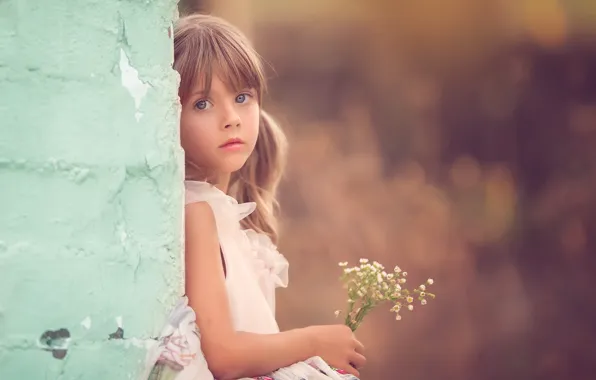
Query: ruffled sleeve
x=270 y=266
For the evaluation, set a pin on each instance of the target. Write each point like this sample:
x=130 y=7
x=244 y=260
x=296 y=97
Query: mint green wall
x=90 y=185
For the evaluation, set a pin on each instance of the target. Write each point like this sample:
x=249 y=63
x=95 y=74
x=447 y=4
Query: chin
x=233 y=165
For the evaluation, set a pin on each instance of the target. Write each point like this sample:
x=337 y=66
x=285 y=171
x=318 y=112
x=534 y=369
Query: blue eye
x=202 y=104
x=241 y=98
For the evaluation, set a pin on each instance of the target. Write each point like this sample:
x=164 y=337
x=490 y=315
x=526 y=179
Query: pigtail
x=258 y=179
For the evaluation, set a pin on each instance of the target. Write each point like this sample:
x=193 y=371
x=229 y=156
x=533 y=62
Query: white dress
x=254 y=269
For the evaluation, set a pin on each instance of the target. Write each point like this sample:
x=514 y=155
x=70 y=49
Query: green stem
x=361 y=314
x=348 y=321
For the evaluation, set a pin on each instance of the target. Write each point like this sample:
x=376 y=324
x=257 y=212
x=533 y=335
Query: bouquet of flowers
x=370 y=285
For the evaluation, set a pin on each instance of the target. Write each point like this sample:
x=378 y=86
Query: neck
x=222 y=181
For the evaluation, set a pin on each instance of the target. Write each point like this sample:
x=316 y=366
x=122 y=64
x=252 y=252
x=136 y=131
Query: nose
x=231 y=118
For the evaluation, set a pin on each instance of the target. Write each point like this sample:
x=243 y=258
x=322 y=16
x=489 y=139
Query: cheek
x=194 y=137
x=251 y=123
x=187 y=133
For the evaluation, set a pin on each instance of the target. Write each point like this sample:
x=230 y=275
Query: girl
x=233 y=153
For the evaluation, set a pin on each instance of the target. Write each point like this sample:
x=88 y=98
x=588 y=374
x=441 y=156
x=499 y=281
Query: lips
x=232 y=143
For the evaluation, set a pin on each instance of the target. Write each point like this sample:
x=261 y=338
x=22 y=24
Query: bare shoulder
x=199 y=212
x=199 y=217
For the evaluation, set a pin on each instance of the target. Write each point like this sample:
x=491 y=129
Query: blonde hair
x=204 y=44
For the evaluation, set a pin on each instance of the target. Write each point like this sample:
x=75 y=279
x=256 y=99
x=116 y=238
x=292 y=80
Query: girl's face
x=219 y=130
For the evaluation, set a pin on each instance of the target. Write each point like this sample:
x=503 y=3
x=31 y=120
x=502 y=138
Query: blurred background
x=456 y=139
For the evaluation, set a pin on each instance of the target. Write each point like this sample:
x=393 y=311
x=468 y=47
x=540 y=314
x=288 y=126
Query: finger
x=359 y=347
x=351 y=370
x=357 y=360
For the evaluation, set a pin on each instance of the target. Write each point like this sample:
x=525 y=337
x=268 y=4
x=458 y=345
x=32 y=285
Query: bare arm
x=230 y=354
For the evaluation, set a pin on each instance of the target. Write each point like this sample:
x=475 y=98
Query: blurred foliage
x=456 y=139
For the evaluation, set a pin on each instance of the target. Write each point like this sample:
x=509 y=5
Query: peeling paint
x=119 y=334
x=56 y=341
x=86 y=323
x=130 y=80
x=121 y=228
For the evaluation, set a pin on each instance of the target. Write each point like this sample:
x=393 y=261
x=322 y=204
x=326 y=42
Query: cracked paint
x=130 y=80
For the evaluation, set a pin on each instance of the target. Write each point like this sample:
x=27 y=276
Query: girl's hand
x=337 y=345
